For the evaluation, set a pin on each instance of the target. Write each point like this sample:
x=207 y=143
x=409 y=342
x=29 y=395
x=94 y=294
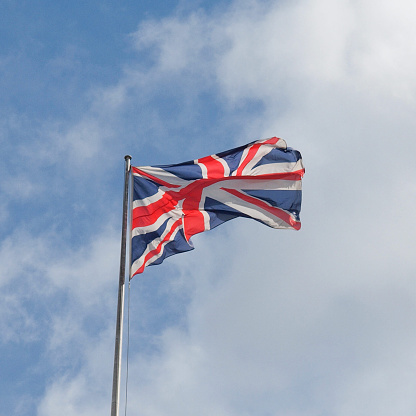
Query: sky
x=254 y=321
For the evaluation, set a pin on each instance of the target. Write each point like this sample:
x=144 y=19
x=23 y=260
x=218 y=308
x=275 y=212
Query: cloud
x=311 y=334
x=254 y=321
x=60 y=304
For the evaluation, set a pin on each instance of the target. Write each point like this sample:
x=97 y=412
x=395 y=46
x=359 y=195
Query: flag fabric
x=171 y=203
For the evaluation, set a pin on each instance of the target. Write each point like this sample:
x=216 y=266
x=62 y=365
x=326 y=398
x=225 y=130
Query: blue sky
x=254 y=321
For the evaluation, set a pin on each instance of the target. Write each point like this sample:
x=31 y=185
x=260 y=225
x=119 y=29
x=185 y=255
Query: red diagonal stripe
x=252 y=153
x=280 y=213
x=158 y=249
x=148 y=214
x=144 y=216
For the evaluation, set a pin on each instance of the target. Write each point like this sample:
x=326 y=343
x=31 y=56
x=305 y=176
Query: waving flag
x=171 y=203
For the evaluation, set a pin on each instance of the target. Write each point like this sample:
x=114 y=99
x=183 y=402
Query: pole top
x=127 y=158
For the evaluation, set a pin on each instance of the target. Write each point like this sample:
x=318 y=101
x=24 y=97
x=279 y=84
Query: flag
x=171 y=203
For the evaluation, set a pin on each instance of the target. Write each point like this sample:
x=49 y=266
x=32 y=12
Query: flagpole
x=120 y=301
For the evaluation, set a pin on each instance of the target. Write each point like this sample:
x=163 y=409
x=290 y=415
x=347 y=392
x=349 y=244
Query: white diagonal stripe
x=256 y=212
x=161 y=174
x=276 y=168
x=153 y=245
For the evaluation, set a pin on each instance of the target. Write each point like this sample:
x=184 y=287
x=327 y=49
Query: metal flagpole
x=120 y=300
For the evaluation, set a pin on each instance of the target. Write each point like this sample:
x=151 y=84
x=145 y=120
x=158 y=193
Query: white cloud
x=88 y=270
x=72 y=397
x=258 y=51
x=61 y=303
x=312 y=333
x=15 y=264
x=20 y=186
x=319 y=321
x=73 y=290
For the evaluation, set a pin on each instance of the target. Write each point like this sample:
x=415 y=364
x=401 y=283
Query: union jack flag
x=171 y=203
